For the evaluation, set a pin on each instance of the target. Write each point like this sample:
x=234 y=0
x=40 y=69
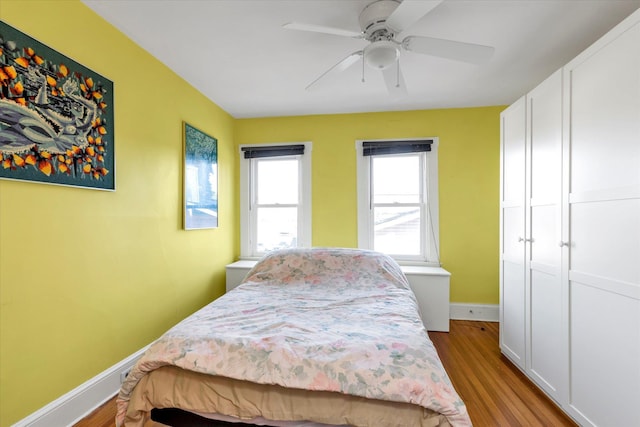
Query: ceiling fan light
x=381 y=54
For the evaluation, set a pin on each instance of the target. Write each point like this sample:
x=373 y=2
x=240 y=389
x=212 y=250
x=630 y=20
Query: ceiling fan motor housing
x=383 y=50
x=373 y=18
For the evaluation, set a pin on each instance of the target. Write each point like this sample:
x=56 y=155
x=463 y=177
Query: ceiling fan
x=380 y=23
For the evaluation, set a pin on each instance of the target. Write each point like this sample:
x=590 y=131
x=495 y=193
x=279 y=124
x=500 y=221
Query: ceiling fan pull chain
x=362 y=67
x=398 y=73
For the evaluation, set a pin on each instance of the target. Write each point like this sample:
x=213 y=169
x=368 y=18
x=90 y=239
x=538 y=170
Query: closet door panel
x=547 y=365
x=547 y=357
x=513 y=289
x=513 y=153
x=545 y=106
x=605 y=116
x=605 y=239
x=605 y=350
x=546 y=235
x=513 y=235
x=512 y=232
x=603 y=208
x=512 y=328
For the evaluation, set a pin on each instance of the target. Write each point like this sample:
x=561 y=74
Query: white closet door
x=546 y=361
x=604 y=212
x=512 y=247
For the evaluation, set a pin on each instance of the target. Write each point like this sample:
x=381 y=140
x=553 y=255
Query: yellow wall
x=88 y=277
x=468 y=181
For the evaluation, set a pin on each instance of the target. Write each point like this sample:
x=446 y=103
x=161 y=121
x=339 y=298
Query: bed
x=312 y=337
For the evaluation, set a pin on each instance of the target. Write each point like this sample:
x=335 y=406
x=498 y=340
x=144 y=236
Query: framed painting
x=56 y=116
x=200 y=179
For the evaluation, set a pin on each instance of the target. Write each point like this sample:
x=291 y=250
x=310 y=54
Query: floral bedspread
x=340 y=320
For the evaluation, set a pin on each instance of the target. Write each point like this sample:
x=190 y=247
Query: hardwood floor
x=497 y=394
x=495 y=391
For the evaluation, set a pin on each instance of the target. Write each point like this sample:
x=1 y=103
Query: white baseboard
x=480 y=312
x=82 y=400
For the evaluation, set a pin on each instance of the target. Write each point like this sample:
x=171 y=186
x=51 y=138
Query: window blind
x=273 y=151
x=372 y=148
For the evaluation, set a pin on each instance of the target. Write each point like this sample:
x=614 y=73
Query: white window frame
x=248 y=229
x=431 y=228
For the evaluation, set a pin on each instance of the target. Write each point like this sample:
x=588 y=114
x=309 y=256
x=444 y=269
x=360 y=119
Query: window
x=275 y=206
x=398 y=199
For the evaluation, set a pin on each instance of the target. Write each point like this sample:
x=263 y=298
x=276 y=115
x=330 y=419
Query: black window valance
x=372 y=148
x=272 y=151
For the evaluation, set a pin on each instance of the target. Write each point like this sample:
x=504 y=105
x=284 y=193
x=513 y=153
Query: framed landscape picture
x=56 y=116
x=200 y=179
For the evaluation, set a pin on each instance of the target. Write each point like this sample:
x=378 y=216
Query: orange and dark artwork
x=56 y=116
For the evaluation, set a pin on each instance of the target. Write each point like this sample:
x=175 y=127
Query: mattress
x=210 y=396
x=326 y=335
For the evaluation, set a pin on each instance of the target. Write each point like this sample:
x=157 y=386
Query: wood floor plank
x=496 y=393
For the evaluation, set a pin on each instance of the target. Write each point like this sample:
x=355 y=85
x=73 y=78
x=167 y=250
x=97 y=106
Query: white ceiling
x=238 y=55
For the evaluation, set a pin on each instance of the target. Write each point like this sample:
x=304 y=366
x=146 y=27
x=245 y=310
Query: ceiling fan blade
x=339 y=67
x=395 y=81
x=450 y=49
x=322 y=29
x=409 y=12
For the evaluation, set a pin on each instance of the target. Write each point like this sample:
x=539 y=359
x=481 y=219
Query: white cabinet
x=570 y=235
x=431 y=288
x=531 y=289
x=602 y=215
x=429 y=284
x=236 y=272
x=512 y=238
x=546 y=356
